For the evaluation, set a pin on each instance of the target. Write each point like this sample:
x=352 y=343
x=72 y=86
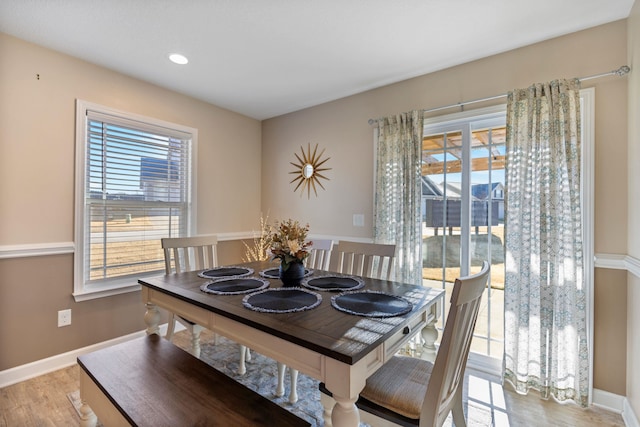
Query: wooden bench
x=151 y=382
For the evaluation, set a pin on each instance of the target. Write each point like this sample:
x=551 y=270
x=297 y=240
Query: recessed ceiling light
x=178 y=59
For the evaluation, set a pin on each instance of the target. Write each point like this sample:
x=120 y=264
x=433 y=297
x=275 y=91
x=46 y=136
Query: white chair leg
x=280 y=386
x=171 y=326
x=327 y=407
x=293 y=394
x=457 y=411
x=195 y=341
x=248 y=355
x=242 y=368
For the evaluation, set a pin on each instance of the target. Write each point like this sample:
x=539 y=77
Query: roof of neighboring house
x=453 y=189
x=481 y=191
x=430 y=188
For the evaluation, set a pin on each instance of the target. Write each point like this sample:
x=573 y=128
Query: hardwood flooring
x=42 y=401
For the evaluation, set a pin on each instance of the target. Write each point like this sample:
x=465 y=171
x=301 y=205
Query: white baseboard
x=628 y=416
x=60 y=361
x=610 y=401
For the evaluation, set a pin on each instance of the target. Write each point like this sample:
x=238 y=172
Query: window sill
x=90 y=293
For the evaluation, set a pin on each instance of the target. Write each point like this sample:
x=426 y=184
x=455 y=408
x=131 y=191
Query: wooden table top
x=323 y=329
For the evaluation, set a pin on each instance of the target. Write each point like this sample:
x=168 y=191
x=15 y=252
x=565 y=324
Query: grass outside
x=489 y=332
x=449 y=274
x=127 y=257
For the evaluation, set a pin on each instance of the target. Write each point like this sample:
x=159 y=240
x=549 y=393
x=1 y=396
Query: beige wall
x=610 y=312
x=37 y=134
x=341 y=128
x=633 y=250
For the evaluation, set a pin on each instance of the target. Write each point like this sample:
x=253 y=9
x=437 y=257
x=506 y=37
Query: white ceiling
x=264 y=58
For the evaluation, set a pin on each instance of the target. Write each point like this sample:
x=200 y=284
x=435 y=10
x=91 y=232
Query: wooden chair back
x=319 y=255
x=363 y=259
x=445 y=384
x=189 y=253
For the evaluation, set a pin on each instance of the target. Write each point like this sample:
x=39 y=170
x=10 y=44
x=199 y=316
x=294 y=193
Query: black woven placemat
x=333 y=282
x=235 y=286
x=222 y=272
x=282 y=300
x=274 y=273
x=371 y=304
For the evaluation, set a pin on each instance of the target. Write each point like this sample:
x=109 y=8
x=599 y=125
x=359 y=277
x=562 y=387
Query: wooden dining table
x=335 y=347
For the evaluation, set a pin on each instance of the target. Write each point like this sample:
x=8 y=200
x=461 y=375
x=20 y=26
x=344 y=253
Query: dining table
x=339 y=336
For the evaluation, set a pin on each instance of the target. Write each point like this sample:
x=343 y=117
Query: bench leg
x=87 y=417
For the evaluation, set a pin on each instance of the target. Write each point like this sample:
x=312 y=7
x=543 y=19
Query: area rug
x=261 y=376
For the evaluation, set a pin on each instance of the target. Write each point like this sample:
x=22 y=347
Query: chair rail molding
x=57 y=248
x=36 y=249
x=602 y=260
x=618 y=262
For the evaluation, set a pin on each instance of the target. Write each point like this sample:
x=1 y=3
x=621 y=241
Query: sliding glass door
x=463 y=161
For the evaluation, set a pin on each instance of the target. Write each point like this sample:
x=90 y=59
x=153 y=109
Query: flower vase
x=292 y=275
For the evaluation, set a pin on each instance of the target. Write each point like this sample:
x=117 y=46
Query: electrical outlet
x=64 y=317
x=358 y=220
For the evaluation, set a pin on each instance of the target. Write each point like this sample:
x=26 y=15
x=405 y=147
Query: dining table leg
x=429 y=336
x=345 y=412
x=152 y=319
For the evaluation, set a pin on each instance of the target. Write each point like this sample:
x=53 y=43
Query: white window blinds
x=137 y=188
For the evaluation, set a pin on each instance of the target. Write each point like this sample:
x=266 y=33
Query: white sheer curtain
x=545 y=297
x=397 y=191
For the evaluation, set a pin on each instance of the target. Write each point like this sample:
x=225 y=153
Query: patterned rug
x=261 y=376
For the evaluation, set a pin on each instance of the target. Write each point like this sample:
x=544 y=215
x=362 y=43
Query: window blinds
x=136 y=192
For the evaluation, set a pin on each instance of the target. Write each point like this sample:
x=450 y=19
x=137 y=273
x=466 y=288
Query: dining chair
x=318 y=258
x=363 y=259
x=408 y=391
x=182 y=254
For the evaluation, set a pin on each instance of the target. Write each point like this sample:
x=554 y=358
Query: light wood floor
x=42 y=401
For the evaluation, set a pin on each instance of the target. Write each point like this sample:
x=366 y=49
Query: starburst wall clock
x=309 y=170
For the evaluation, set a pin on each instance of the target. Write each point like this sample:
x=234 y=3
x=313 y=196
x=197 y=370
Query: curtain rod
x=623 y=70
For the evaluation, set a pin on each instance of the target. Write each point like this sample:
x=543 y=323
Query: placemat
x=282 y=300
x=333 y=282
x=235 y=285
x=371 y=304
x=221 y=272
x=274 y=273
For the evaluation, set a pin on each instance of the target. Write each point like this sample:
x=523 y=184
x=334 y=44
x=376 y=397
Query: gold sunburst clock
x=308 y=170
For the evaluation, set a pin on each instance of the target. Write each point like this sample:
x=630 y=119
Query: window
x=133 y=187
